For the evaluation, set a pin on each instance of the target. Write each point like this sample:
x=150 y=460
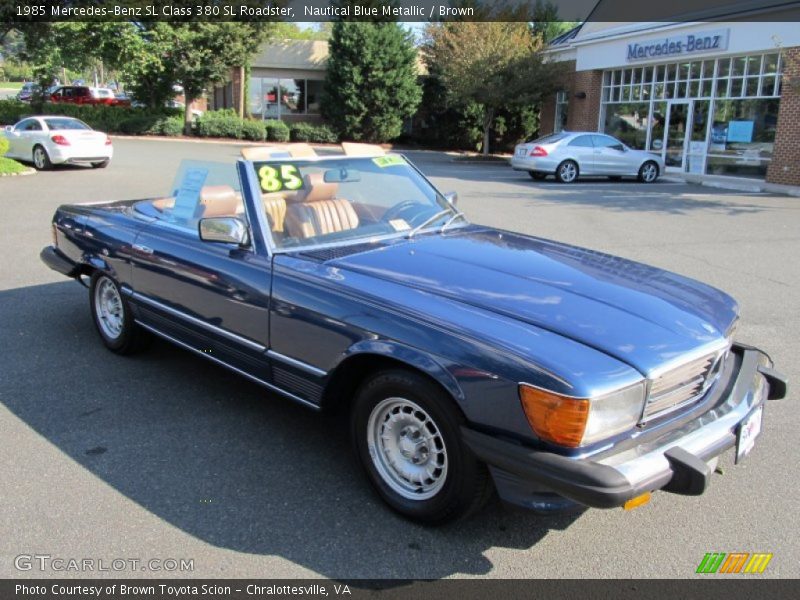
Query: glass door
x=696 y=152
x=677 y=126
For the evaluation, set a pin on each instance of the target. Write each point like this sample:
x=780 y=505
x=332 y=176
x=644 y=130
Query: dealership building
x=712 y=98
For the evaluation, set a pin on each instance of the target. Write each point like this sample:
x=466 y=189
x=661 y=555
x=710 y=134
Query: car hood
x=639 y=314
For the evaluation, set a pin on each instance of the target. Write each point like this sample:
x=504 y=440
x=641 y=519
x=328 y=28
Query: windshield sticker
x=188 y=197
x=390 y=160
x=399 y=224
x=279 y=177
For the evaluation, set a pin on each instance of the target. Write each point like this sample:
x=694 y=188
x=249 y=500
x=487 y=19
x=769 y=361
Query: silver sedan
x=569 y=155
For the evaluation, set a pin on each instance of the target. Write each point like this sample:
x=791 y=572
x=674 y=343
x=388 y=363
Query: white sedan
x=47 y=141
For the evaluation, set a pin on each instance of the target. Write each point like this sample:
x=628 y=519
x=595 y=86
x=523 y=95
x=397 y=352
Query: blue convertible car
x=468 y=358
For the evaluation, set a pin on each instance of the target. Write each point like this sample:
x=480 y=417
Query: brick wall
x=785 y=165
x=582 y=113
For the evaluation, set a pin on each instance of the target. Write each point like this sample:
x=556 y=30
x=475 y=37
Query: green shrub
x=3 y=145
x=277 y=131
x=254 y=130
x=307 y=132
x=172 y=126
x=220 y=123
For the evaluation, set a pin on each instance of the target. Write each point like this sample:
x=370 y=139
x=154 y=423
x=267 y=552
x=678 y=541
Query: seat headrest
x=219 y=201
x=315 y=189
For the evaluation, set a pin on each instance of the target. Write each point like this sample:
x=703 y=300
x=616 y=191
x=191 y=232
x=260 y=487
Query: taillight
x=60 y=140
x=108 y=141
x=538 y=151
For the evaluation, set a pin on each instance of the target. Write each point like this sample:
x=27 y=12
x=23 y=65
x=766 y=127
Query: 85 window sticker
x=279 y=177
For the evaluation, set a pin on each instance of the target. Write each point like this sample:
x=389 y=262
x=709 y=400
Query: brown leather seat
x=315 y=210
x=275 y=207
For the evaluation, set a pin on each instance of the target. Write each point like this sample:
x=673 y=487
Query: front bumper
x=675 y=460
x=56 y=260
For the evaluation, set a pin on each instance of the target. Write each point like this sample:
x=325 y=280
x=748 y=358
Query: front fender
x=435 y=367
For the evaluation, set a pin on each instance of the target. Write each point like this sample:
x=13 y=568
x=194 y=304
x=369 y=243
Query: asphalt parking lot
x=165 y=456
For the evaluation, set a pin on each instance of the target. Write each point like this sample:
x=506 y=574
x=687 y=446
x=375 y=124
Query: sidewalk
x=741 y=184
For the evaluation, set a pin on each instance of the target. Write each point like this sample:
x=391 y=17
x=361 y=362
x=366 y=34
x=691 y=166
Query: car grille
x=682 y=385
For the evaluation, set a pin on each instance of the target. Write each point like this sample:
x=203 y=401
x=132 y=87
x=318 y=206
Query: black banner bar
x=707 y=587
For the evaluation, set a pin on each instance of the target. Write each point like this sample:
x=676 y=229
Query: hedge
x=110 y=119
x=254 y=130
x=307 y=132
x=277 y=131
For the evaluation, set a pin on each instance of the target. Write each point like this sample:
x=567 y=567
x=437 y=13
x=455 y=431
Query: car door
x=211 y=296
x=29 y=133
x=581 y=150
x=611 y=157
x=14 y=136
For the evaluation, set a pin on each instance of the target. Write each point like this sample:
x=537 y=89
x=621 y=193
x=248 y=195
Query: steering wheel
x=398 y=209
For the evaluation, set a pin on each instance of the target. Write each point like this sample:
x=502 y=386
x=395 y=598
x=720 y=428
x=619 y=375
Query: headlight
x=574 y=422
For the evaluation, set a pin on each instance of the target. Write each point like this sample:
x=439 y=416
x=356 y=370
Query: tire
x=41 y=160
x=567 y=171
x=101 y=165
x=113 y=318
x=537 y=175
x=648 y=172
x=391 y=411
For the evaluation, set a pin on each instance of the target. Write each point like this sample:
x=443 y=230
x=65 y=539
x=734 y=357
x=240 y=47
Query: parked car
x=196 y=113
x=49 y=140
x=569 y=155
x=27 y=91
x=468 y=358
x=73 y=94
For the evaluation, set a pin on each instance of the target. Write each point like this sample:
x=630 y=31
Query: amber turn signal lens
x=638 y=501
x=555 y=418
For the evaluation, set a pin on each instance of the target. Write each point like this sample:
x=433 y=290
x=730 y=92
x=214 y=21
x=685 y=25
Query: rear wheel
x=101 y=165
x=113 y=318
x=648 y=172
x=567 y=171
x=406 y=433
x=41 y=160
x=537 y=175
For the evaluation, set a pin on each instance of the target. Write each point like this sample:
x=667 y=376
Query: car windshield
x=61 y=123
x=347 y=200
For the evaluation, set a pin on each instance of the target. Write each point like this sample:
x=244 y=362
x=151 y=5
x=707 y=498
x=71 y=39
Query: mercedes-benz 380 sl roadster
x=469 y=359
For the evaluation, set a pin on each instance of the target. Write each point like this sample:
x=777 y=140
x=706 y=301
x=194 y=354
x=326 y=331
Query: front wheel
x=567 y=171
x=406 y=433
x=648 y=172
x=41 y=160
x=113 y=318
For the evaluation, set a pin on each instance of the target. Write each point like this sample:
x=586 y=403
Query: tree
x=494 y=64
x=194 y=55
x=371 y=82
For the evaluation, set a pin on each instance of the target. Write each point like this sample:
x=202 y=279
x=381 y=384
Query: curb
x=28 y=171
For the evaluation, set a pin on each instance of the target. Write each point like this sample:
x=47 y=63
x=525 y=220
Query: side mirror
x=228 y=230
x=452 y=198
x=9 y=128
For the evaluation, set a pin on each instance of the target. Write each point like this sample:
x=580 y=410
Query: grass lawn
x=8 y=166
x=11 y=85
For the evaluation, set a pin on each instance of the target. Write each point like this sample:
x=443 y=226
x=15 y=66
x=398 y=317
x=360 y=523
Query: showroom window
x=562 y=106
x=274 y=98
x=732 y=103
